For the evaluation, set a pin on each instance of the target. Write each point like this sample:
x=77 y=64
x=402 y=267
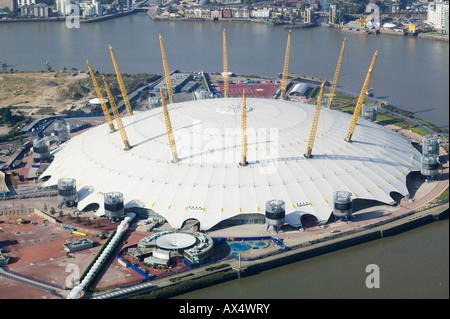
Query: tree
x=69 y=216
x=88 y=222
x=78 y=220
x=45 y=207
x=6 y=116
x=98 y=223
x=52 y=211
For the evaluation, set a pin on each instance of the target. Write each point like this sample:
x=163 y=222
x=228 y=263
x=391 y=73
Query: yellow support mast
x=225 y=65
x=173 y=147
x=244 y=132
x=102 y=100
x=166 y=71
x=285 y=68
x=123 y=134
x=360 y=100
x=312 y=135
x=336 y=75
x=122 y=87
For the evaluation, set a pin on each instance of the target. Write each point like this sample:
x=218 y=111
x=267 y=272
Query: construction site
x=219 y=173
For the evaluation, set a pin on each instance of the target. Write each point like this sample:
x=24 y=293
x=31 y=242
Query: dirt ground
x=37 y=251
x=31 y=91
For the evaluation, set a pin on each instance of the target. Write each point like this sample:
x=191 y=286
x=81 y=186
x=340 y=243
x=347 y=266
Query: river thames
x=411 y=73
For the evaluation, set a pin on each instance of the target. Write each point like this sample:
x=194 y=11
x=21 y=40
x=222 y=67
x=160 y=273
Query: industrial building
x=4 y=259
x=77 y=245
x=181 y=82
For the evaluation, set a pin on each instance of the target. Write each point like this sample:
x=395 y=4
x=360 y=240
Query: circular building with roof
x=175 y=241
x=207 y=182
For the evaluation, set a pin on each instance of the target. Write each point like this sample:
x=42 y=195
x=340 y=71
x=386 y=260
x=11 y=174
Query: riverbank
x=230 y=270
x=433 y=37
x=63 y=19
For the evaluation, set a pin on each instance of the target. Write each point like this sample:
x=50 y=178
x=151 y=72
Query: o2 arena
x=208 y=183
x=220 y=161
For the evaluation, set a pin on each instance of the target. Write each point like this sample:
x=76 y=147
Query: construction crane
x=312 y=135
x=336 y=75
x=166 y=71
x=102 y=101
x=123 y=134
x=362 y=22
x=360 y=100
x=225 y=65
x=122 y=87
x=285 y=68
x=173 y=147
x=244 y=132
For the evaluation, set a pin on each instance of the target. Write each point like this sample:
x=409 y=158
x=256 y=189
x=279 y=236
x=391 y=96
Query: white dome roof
x=97 y=100
x=208 y=184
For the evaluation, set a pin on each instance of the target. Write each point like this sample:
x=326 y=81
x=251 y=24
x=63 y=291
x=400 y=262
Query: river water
x=413 y=264
x=410 y=73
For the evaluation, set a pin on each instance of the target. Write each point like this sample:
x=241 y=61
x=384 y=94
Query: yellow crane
x=244 y=132
x=122 y=87
x=336 y=75
x=102 y=100
x=285 y=68
x=225 y=65
x=173 y=147
x=360 y=100
x=123 y=134
x=362 y=22
x=166 y=71
x=312 y=134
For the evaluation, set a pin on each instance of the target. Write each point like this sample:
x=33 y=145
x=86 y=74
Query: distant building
x=315 y=5
x=216 y=14
x=263 y=13
x=4 y=259
x=227 y=13
x=229 y=1
x=438 y=16
x=178 y=81
x=298 y=91
x=39 y=10
x=332 y=13
x=198 y=13
x=91 y=9
x=21 y=3
x=63 y=7
x=10 y=4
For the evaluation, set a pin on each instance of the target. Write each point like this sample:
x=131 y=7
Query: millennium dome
x=208 y=182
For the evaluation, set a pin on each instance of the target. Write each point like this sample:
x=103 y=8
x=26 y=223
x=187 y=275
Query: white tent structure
x=208 y=184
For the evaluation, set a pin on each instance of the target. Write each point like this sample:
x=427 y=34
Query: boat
x=301 y=25
x=369 y=92
x=355 y=30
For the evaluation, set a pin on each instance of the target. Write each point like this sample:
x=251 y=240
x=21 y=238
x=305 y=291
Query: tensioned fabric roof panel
x=208 y=184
